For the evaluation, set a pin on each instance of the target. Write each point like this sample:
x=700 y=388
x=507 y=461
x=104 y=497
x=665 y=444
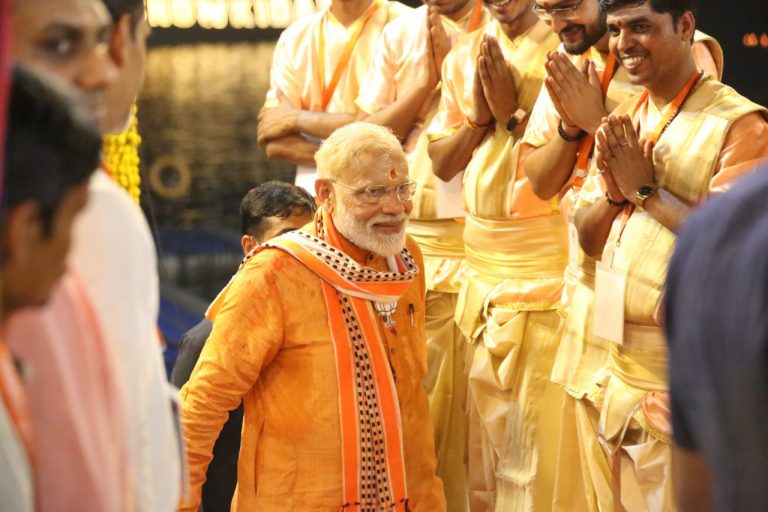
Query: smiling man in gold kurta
x=321 y=334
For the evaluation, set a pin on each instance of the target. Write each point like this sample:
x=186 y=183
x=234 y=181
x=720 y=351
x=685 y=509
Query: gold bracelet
x=477 y=127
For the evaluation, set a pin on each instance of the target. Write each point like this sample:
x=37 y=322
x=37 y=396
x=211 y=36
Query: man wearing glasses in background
x=555 y=154
x=321 y=335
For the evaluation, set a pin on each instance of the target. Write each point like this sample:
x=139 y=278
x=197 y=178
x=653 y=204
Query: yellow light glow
x=219 y=14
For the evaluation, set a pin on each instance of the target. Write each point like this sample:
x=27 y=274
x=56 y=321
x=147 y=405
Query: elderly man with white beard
x=321 y=334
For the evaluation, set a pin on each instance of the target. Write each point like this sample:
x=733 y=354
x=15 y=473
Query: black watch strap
x=569 y=138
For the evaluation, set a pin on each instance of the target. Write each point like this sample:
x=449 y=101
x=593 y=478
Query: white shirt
x=113 y=251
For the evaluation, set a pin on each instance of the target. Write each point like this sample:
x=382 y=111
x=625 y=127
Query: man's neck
x=348 y=11
x=457 y=15
x=602 y=44
x=520 y=25
x=663 y=91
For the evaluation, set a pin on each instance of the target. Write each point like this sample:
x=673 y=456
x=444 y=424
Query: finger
x=648 y=150
x=556 y=72
x=482 y=66
x=616 y=129
x=612 y=135
x=555 y=92
x=629 y=130
x=569 y=71
x=499 y=64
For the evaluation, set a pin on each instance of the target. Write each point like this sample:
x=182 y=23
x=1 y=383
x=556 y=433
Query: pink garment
x=75 y=401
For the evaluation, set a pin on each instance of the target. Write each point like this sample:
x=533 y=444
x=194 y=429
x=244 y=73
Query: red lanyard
x=585 y=148
x=357 y=31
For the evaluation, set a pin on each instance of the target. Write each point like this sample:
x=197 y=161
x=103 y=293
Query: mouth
x=633 y=62
x=571 y=33
x=389 y=228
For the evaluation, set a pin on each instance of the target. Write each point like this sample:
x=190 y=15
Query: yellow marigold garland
x=121 y=157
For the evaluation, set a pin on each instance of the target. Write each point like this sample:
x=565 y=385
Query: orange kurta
x=272 y=347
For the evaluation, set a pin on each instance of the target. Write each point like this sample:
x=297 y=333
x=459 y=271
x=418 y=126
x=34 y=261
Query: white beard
x=364 y=236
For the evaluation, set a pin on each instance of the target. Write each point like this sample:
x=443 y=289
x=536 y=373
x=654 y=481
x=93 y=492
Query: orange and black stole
x=372 y=440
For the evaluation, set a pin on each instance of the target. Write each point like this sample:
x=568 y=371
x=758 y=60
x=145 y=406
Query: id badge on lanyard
x=610 y=289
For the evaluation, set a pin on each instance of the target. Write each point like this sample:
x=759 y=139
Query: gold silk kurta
x=272 y=348
x=516 y=252
x=397 y=66
x=717 y=137
x=581 y=366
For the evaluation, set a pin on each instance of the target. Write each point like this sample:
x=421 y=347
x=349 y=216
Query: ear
x=248 y=244
x=23 y=231
x=324 y=194
x=687 y=26
x=118 y=43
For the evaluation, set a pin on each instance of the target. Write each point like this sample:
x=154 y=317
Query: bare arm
x=292 y=148
x=549 y=167
x=401 y=115
x=593 y=223
x=452 y=154
x=323 y=124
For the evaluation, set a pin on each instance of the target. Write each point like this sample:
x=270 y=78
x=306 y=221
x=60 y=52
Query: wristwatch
x=516 y=119
x=643 y=193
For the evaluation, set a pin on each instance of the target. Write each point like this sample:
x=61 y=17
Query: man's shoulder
x=302 y=27
x=395 y=10
x=720 y=100
x=406 y=23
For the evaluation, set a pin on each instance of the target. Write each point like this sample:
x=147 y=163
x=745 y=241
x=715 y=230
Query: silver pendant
x=385 y=311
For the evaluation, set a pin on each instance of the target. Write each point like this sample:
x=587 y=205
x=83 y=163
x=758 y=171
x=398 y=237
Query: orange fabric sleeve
x=745 y=146
x=247 y=334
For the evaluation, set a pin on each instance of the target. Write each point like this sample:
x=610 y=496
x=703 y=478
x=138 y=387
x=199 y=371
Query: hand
x=628 y=160
x=438 y=44
x=482 y=114
x=277 y=122
x=576 y=94
x=498 y=81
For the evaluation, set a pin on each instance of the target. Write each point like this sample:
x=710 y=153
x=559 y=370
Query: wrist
x=616 y=204
x=570 y=133
x=477 y=127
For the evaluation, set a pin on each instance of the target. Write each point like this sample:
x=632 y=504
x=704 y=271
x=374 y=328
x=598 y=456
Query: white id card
x=610 y=289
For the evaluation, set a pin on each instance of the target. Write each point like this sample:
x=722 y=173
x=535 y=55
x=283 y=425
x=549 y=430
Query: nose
x=623 y=41
x=98 y=71
x=558 y=24
x=392 y=204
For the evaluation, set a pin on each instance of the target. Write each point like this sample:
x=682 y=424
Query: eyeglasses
x=373 y=194
x=564 y=13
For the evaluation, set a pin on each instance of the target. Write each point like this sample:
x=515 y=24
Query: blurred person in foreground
x=266 y=211
x=321 y=335
x=103 y=58
x=51 y=151
x=717 y=332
